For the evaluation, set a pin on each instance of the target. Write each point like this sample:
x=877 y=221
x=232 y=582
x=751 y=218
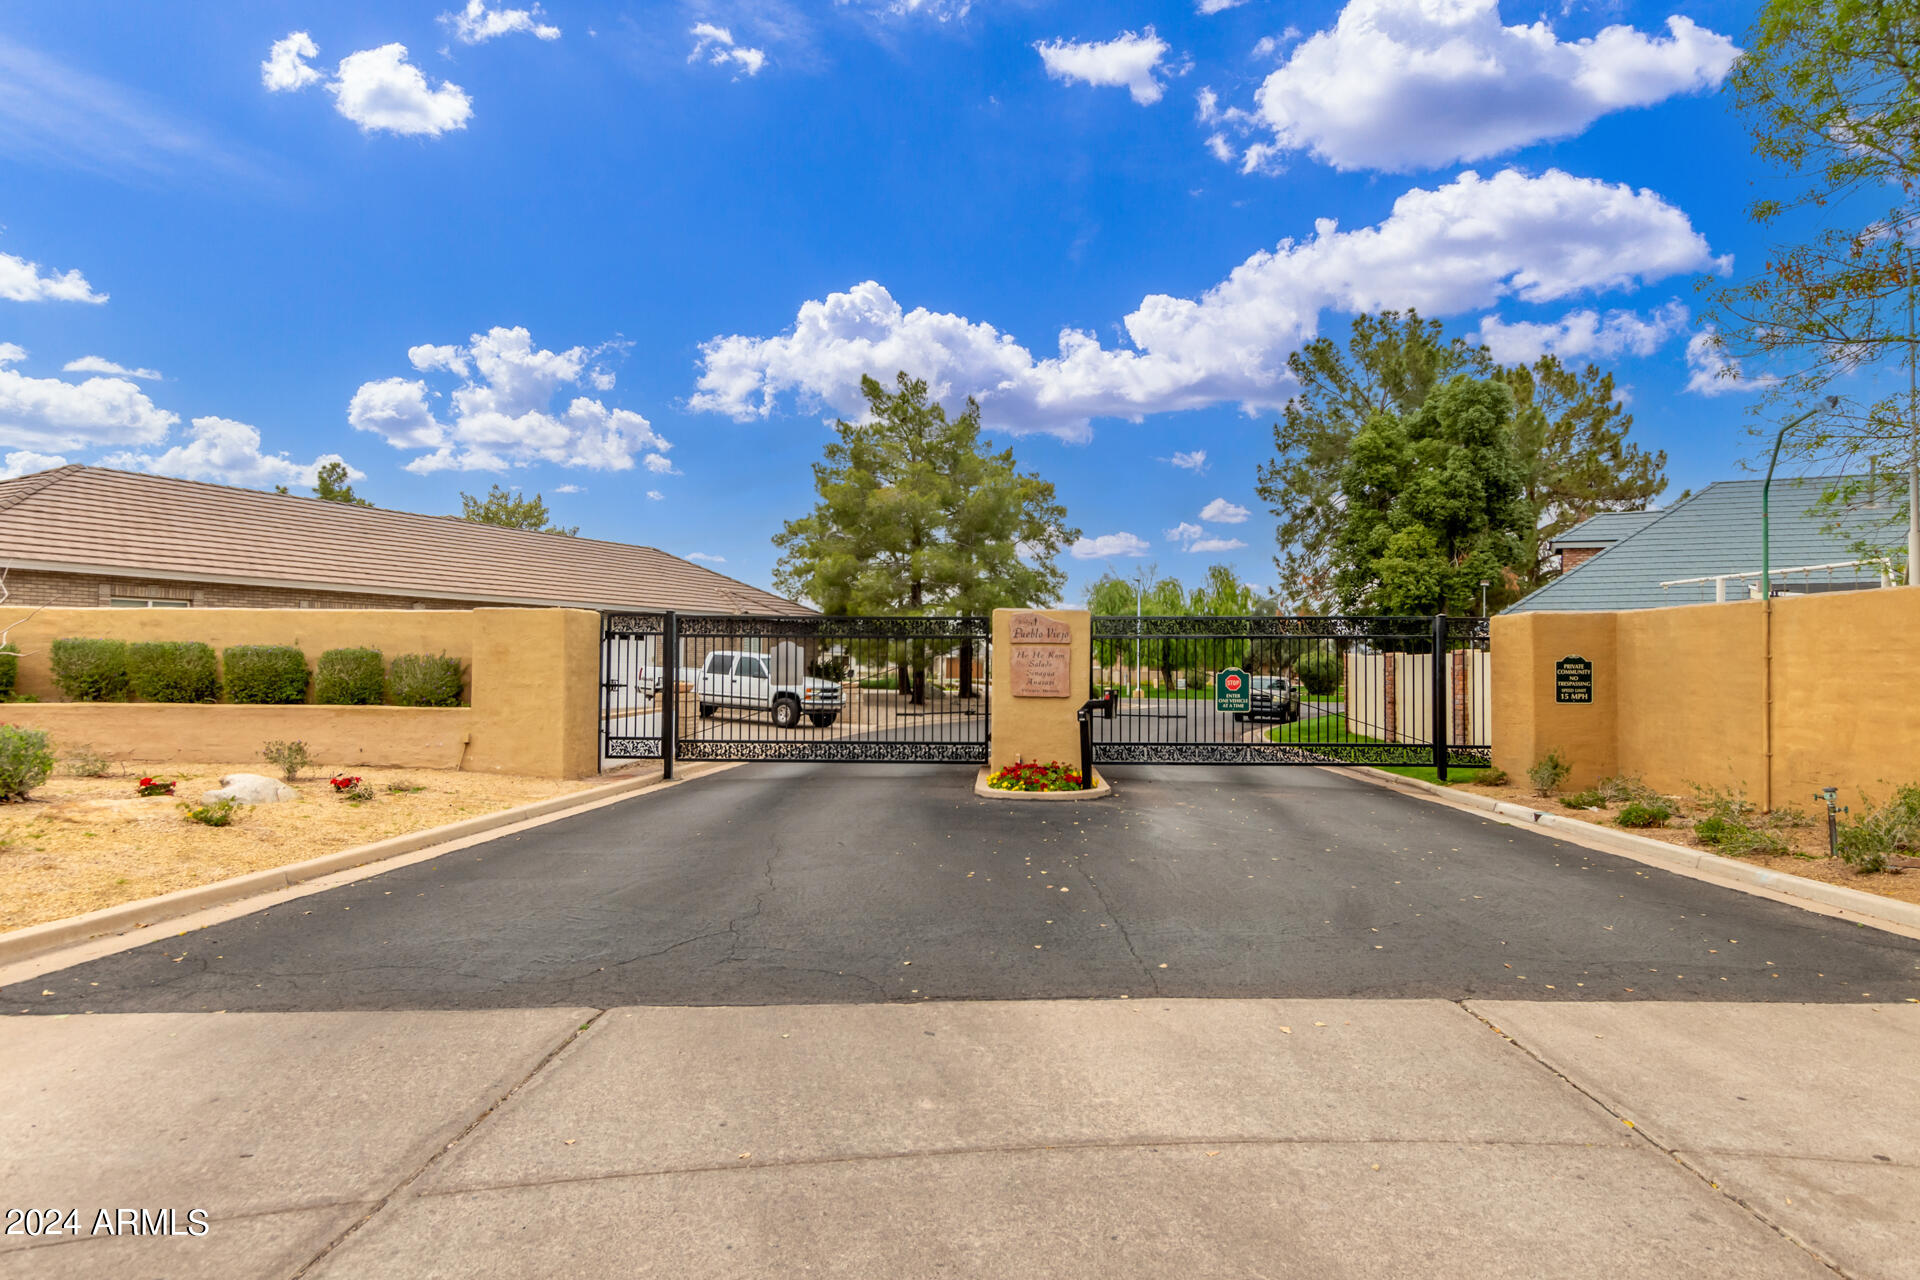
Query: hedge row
x=186 y=671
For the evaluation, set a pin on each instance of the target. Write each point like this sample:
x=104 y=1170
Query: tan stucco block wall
x=1527 y=722
x=392 y=631
x=338 y=737
x=1039 y=729
x=1846 y=697
x=536 y=691
x=1691 y=694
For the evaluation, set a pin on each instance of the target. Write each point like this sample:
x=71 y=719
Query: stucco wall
x=532 y=682
x=1681 y=695
x=1041 y=729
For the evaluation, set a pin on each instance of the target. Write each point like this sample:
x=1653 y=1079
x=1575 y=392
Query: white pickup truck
x=732 y=678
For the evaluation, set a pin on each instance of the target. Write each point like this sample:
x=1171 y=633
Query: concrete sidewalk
x=1147 y=1137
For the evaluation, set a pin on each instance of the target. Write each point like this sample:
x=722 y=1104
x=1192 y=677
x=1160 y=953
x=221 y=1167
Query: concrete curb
x=1100 y=791
x=1868 y=908
x=37 y=939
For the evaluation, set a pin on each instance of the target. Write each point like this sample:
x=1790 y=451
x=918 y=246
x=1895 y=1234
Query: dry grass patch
x=85 y=843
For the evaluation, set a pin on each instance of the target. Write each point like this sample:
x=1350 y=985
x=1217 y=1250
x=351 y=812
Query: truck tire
x=706 y=711
x=786 y=712
x=824 y=721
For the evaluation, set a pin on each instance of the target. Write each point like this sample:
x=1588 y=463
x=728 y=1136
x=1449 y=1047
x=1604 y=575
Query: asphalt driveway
x=776 y=884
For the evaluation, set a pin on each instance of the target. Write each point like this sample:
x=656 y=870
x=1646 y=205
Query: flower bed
x=1051 y=776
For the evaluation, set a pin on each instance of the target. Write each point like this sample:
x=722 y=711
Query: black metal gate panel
x=837 y=689
x=1316 y=690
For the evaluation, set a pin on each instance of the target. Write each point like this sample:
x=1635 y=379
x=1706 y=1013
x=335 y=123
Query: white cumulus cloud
x=1583 y=334
x=1108 y=544
x=47 y=414
x=477 y=24
x=654 y=495
x=98 y=364
x=716 y=46
x=1712 y=372
x=25 y=462
x=1411 y=84
x=504 y=412
x=377 y=89
x=1128 y=60
x=1211 y=7
x=23 y=281
x=1220 y=511
x=227 y=452
x=1461 y=247
x=701 y=555
x=1184 y=532
x=1195 y=461
x=1217 y=544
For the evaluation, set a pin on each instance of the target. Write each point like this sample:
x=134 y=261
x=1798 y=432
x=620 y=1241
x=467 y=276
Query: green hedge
x=350 y=678
x=9 y=669
x=424 y=680
x=273 y=673
x=25 y=761
x=90 y=670
x=1320 y=672
x=173 y=671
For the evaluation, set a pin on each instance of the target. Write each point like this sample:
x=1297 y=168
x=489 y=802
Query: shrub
x=424 y=680
x=153 y=787
x=25 y=761
x=9 y=669
x=351 y=787
x=1588 y=799
x=1728 y=806
x=350 y=678
x=1736 y=839
x=1644 y=815
x=1320 y=672
x=835 y=667
x=173 y=671
x=1493 y=778
x=291 y=757
x=269 y=673
x=217 y=814
x=1879 y=830
x=90 y=670
x=1548 y=772
x=84 y=761
x=404 y=788
x=1626 y=789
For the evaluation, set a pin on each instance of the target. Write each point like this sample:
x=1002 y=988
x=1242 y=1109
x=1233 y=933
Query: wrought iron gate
x=1395 y=691
x=733 y=687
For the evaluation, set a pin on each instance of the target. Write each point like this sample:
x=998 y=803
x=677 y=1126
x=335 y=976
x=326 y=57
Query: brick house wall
x=1572 y=557
x=85 y=590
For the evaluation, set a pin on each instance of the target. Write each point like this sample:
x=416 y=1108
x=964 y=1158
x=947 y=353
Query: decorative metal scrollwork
x=630 y=624
x=954 y=629
x=633 y=748
x=1122 y=627
x=844 y=751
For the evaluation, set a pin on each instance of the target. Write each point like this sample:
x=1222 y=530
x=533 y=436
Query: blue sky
x=631 y=256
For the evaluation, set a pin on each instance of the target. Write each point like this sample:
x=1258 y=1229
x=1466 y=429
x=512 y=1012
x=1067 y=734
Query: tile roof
x=94 y=520
x=1606 y=528
x=1715 y=531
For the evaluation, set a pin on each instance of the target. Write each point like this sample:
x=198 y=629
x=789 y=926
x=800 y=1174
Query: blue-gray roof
x=1606 y=528
x=1715 y=531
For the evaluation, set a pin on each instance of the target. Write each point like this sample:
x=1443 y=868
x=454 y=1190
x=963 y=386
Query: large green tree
x=1434 y=502
x=511 y=509
x=330 y=485
x=1831 y=94
x=1570 y=437
x=917 y=514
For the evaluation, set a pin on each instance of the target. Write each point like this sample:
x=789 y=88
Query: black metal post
x=1442 y=713
x=670 y=692
x=1086 y=749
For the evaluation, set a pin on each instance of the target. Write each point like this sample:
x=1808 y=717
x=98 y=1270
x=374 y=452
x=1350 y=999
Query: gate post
x=670 y=691
x=1441 y=710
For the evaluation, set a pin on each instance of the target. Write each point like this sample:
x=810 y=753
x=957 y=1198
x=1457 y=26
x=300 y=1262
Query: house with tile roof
x=81 y=536
x=1709 y=543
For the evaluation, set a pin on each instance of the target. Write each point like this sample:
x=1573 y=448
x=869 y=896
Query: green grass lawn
x=1333 y=728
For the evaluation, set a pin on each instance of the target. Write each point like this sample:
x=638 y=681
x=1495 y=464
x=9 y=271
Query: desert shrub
x=1644 y=815
x=173 y=671
x=1493 y=778
x=218 y=813
x=1728 y=806
x=1588 y=799
x=424 y=680
x=835 y=667
x=1320 y=672
x=350 y=678
x=90 y=670
x=270 y=673
x=26 y=758
x=1736 y=838
x=1626 y=789
x=289 y=757
x=9 y=669
x=407 y=788
x=84 y=761
x=1789 y=815
x=1548 y=772
x=1880 y=830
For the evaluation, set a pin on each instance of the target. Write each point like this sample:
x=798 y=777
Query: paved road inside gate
x=772 y=884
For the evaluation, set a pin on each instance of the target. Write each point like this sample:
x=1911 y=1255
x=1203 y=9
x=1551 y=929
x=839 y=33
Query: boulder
x=251 y=788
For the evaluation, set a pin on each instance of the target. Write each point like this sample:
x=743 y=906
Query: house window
x=139 y=602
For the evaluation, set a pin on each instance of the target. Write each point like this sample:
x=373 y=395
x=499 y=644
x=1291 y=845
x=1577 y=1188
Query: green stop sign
x=1232 y=690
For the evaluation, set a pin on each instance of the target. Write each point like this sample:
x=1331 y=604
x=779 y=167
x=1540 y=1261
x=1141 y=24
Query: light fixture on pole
x=1483 y=597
